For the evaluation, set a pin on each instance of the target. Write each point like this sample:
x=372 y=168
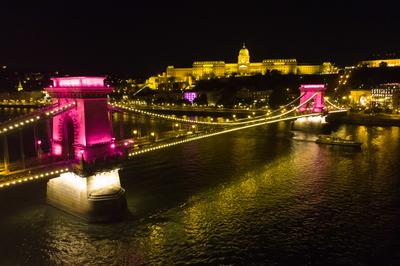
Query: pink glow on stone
x=112 y=146
x=89 y=114
x=126 y=143
x=39 y=142
x=57 y=149
x=308 y=90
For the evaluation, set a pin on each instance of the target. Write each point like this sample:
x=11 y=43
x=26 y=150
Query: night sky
x=142 y=37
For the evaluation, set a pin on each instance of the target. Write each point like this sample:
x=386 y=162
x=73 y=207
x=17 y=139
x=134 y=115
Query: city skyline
x=143 y=39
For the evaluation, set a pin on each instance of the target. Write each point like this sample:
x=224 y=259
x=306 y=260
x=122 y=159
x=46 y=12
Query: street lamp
x=39 y=149
x=136 y=133
x=176 y=126
x=153 y=136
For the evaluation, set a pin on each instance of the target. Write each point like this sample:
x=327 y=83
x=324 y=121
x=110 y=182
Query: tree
x=202 y=99
x=383 y=64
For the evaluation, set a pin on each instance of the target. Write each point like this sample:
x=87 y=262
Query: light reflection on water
x=250 y=197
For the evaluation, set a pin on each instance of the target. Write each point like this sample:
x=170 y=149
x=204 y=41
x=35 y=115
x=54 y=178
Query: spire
x=20 y=88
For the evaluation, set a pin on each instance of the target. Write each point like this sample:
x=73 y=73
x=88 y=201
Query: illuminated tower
x=243 y=60
x=20 y=88
x=85 y=130
x=315 y=91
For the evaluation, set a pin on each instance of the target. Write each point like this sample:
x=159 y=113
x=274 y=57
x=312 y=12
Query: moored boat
x=333 y=140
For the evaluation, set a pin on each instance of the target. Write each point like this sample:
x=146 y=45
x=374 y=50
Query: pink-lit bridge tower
x=315 y=91
x=85 y=130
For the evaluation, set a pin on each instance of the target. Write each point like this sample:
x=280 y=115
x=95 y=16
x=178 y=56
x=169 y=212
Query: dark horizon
x=143 y=39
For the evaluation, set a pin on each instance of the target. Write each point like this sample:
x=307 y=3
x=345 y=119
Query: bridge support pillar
x=5 y=154
x=21 y=148
x=121 y=125
x=49 y=130
x=96 y=198
x=312 y=123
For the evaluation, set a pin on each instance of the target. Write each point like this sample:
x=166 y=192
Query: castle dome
x=244 y=56
x=244 y=51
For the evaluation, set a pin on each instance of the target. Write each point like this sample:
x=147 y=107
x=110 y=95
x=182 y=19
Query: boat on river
x=334 y=140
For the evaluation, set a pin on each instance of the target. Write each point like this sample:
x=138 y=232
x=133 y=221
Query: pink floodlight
x=112 y=146
x=39 y=142
x=78 y=82
x=93 y=82
x=57 y=150
x=190 y=96
x=126 y=143
x=313 y=86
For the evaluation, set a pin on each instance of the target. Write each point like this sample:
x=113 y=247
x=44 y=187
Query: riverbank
x=366 y=119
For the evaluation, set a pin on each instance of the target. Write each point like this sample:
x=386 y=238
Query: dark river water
x=252 y=197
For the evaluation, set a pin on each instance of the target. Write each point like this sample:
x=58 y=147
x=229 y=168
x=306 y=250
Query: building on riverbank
x=396 y=102
x=21 y=96
x=360 y=97
x=201 y=70
x=394 y=62
x=385 y=96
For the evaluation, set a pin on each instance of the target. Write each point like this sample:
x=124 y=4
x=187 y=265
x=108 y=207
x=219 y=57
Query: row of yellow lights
x=60 y=109
x=173 y=118
x=197 y=122
x=31 y=178
x=335 y=106
x=345 y=78
x=227 y=120
x=28 y=121
x=16 y=125
x=283 y=112
x=214 y=134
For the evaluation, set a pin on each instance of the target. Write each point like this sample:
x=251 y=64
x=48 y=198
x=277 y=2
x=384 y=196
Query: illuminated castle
x=243 y=67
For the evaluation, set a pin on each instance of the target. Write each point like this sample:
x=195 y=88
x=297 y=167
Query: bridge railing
x=122 y=107
x=32 y=117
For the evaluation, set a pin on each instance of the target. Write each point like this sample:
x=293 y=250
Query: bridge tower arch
x=315 y=91
x=89 y=119
x=68 y=137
